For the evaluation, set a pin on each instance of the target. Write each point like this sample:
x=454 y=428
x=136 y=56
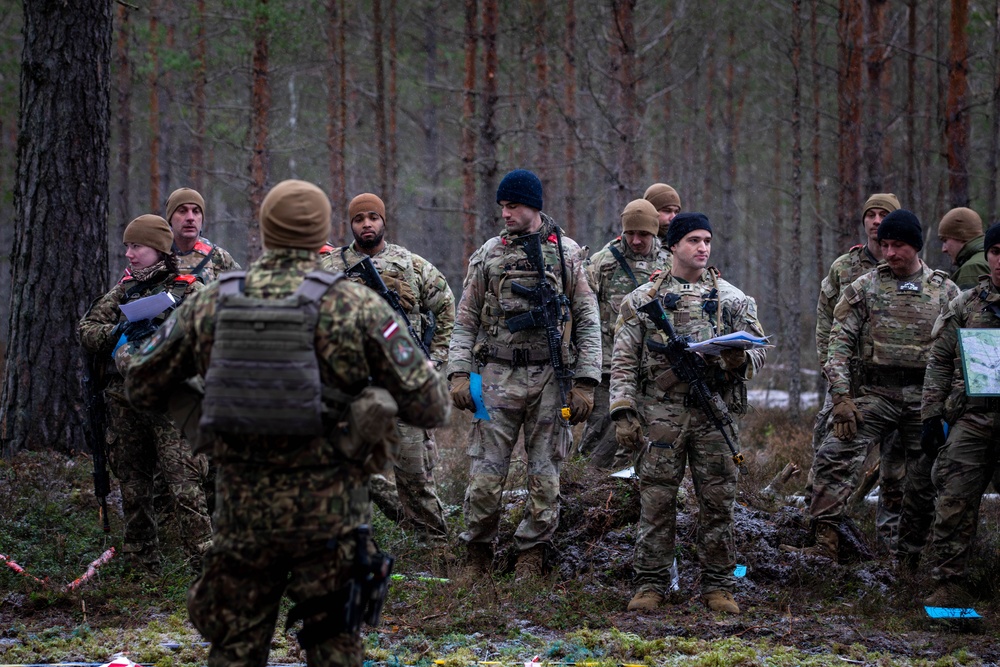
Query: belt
x=983 y=403
x=892 y=377
x=516 y=356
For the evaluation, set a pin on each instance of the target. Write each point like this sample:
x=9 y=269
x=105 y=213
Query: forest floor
x=796 y=610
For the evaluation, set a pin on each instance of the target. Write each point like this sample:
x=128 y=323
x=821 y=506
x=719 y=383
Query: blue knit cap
x=902 y=225
x=521 y=186
x=685 y=223
x=992 y=236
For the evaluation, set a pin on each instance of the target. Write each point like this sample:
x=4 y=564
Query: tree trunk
x=488 y=133
x=849 y=33
x=123 y=208
x=542 y=159
x=875 y=58
x=197 y=172
x=62 y=184
x=336 y=114
x=393 y=149
x=956 y=124
x=468 y=134
x=379 y=117
x=794 y=291
x=910 y=141
x=154 y=107
x=623 y=63
x=991 y=167
x=569 y=104
x=819 y=219
x=260 y=107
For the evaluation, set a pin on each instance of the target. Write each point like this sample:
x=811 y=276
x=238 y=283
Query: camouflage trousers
x=679 y=436
x=598 y=441
x=961 y=473
x=418 y=499
x=837 y=464
x=522 y=397
x=139 y=443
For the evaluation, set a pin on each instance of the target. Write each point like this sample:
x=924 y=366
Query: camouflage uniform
x=206 y=260
x=885 y=324
x=611 y=283
x=288 y=507
x=677 y=433
x=971 y=264
x=519 y=393
x=414 y=469
x=971 y=453
x=140 y=443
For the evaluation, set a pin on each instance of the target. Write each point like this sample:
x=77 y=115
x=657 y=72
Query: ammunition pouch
x=517 y=357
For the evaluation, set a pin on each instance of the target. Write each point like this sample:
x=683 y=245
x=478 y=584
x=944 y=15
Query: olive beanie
x=183 y=196
x=661 y=195
x=640 y=216
x=295 y=214
x=365 y=202
x=961 y=223
x=883 y=200
x=150 y=230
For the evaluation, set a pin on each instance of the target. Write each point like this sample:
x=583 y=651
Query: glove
x=136 y=331
x=628 y=431
x=407 y=299
x=461 y=395
x=581 y=402
x=732 y=359
x=932 y=436
x=846 y=418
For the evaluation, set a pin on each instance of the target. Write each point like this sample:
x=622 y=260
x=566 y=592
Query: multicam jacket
x=611 y=283
x=488 y=301
x=845 y=269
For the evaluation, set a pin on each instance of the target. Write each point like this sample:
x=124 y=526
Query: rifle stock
x=365 y=269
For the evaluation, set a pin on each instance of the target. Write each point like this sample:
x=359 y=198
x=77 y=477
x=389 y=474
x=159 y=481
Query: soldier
x=293 y=479
x=967 y=459
x=423 y=292
x=667 y=203
x=702 y=305
x=884 y=319
x=847 y=268
x=139 y=442
x=519 y=384
x=613 y=272
x=196 y=255
x=961 y=234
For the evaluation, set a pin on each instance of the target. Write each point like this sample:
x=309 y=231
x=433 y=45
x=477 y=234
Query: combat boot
x=645 y=601
x=479 y=557
x=949 y=595
x=827 y=543
x=530 y=562
x=721 y=601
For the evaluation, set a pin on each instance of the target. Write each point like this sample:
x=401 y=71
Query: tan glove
x=407 y=299
x=846 y=418
x=461 y=395
x=628 y=431
x=732 y=359
x=581 y=402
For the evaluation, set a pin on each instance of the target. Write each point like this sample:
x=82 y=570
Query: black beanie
x=521 y=186
x=902 y=225
x=685 y=223
x=992 y=237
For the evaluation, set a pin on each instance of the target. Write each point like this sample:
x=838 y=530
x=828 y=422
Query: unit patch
x=907 y=286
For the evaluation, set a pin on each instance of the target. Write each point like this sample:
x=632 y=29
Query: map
x=980 y=350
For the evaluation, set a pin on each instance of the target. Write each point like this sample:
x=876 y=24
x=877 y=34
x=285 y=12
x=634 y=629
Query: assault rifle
x=690 y=368
x=550 y=312
x=365 y=269
x=93 y=392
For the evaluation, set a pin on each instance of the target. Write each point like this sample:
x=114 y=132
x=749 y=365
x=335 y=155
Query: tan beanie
x=295 y=214
x=150 y=230
x=661 y=195
x=183 y=196
x=363 y=203
x=640 y=216
x=961 y=223
x=883 y=200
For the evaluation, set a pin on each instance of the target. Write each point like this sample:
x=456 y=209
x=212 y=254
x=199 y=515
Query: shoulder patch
x=852 y=295
x=186 y=278
x=627 y=311
x=203 y=248
x=394 y=338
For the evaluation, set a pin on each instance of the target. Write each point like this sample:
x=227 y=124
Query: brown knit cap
x=960 y=223
x=661 y=195
x=183 y=196
x=640 y=216
x=883 y=200
x=295 y=214
x=363 y=203
x=150 y=230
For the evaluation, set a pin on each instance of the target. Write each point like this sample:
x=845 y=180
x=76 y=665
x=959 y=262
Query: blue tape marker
x=740 y=571
x=951 y=612
x=476 y=388
x=121 y=341
x=946 y=429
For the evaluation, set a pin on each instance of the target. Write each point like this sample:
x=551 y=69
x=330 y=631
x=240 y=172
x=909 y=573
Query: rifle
x=690 y=368
x=365 y=269
x=93 y=392
x=550 y=312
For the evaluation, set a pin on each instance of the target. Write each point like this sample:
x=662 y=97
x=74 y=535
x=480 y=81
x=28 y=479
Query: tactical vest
x=263 y=377
x=195 y=262
x=177 y=287
x=982 y=311
x=396 y=266
x=615 y=285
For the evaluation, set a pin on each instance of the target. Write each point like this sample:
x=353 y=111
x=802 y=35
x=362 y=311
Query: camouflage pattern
x=677 y=434
x=611 y=284
x=971 y=454
x=140 y=443
x=970 y=264
x=523 y=395
x=220 y=260
x=845 y=270
x=287 y=507
x=885 y=323
x=414 y=469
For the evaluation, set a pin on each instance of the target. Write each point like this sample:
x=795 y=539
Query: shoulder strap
x=231 y=282
x=317 y=283
x=621 y=260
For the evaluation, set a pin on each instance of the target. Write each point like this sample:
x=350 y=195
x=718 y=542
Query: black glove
x=932 y=436
x=136 y=331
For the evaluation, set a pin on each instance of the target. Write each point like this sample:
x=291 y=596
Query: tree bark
x=392 y=165
x=794 y=297
x=569 y=104
x=336 y=114
x=910 y=141
x=956 y=124
x=543 y=159
x=470 y=235
x=991 y=166
x=488 y=133
x=260 y=107
x=62 y=184
x=849 y=33
x=623 y=57
x=123 y=206
x=380 y=114
x=197 y=169
x=154 y=106
x=875 y=58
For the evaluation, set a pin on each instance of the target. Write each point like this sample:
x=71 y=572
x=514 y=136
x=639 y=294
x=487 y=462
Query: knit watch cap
x=992 y=236
x=150 y=230
x=883 y=200
x=184 y=196
x=295 y=214
x=521 y=186
x=661 y=195
x=640 y=216
x=684 y=224
x=366 y=202
x=902 y=225
x=961 y=223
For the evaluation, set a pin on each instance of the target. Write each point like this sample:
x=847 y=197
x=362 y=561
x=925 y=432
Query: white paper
x=738 y=340
x=147 y=306
x=627 y=473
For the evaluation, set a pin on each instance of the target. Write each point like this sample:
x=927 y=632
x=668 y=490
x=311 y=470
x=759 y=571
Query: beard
x=368 y=245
